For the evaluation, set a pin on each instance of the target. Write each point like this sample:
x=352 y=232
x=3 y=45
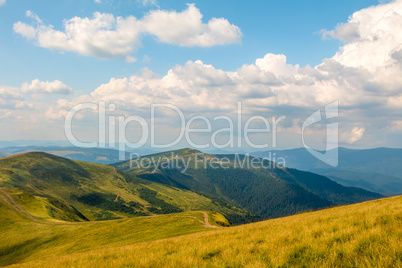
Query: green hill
x=263 y=188
x=54 y=188
x=368 y=234
x=24 y=238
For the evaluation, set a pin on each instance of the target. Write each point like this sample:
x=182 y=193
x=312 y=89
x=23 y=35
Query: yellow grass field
x=362 y=235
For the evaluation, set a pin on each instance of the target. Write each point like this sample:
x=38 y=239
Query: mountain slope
x=266 y=189
x=377 y=169
x=23 y=240
x=361 y=235
x=97 y=191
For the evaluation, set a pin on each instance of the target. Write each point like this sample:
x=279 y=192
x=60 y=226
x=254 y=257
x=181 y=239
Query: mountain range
x=378 y=169
x=94 y=155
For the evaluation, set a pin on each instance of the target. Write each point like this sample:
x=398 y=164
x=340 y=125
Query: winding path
x=14 y=205
x=11 y=202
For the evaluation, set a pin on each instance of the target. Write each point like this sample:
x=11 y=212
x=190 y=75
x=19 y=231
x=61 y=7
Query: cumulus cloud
x=12 y=99
x=25 y=30
x=102 y=36
x=21 y=110
x=2 y=2
x=10 y=93
x=345 y=32
x=375 y=30
x=105 y=36
x=46 y=87
x=270 y=82
x=186 y=28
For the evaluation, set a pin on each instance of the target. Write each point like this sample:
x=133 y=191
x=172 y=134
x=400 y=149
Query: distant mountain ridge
x=94 y=155
x=378 y=169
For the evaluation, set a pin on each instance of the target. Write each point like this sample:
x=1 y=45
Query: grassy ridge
x=361 y=235
x=22 y=239
x=60 y=186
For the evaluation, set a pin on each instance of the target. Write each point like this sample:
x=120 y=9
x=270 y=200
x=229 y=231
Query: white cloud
x=186 y=28
x=23 y=110
x=11 y=99
x=2 y=2
x=25 y=30
x=10 y=93
x=102 y=36
x=98 y=1
x=375 y=30
x=33 y=16
x=353 y=135
x=105 y=36
x=54 y=87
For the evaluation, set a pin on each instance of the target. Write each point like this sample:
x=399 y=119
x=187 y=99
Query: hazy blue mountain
x=24 y=143
x=378 y=169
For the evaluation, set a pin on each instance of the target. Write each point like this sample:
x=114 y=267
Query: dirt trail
x=11 y=202
x=206 y=220
x=7 y=198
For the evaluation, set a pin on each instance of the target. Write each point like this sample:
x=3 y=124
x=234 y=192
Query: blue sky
x=279 y=58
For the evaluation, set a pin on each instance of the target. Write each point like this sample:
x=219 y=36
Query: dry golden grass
x=362 y=235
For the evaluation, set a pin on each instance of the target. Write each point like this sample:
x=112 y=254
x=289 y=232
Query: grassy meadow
x=24 y=240
x=361 y=235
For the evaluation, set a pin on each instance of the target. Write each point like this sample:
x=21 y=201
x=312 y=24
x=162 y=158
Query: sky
x=277 y=59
